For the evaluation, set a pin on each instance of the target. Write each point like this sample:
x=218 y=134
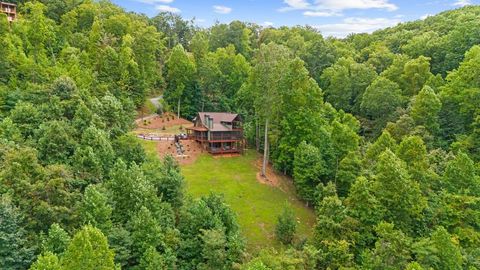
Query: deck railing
x=225 y=137
x=197 y=137
x=217 y=137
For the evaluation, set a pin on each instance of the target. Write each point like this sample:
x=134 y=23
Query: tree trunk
x=178 y=113
x=336 y=171
x=53 y=56
x=257 y=135
x=265 y=150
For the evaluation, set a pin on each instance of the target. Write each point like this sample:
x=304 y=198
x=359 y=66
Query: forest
x=380 y=134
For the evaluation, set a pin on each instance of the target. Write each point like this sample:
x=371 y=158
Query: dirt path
x=156 y=101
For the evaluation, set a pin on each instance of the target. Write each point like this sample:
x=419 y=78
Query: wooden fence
x=155 y=137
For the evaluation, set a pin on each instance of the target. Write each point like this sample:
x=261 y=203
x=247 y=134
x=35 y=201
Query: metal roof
x=198 y=128
x=7 y=3
x=219 y=118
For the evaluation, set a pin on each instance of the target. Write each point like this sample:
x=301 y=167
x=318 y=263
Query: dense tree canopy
x=379 y=132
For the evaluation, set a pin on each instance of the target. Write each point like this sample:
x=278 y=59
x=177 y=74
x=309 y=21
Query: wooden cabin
x=9 y=9
x=218 y=132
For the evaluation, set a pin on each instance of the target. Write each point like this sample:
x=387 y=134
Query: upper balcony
x=226 y=136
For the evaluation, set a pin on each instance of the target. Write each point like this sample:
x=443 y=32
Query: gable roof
x=218 y=119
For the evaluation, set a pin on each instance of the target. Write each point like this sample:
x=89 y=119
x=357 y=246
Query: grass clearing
x=177 y=129
x=150 y=147
x=257 y=205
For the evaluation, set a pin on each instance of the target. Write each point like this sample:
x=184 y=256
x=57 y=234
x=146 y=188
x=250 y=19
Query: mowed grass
x=256 y=205
x=150 y=147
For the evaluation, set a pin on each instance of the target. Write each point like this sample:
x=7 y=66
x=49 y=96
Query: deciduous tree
x=15 y=251
x=95 y=208
x=396 y=191
x=286 y=226
x=425 y=108
x=308 y=167
x=180 y=76
x=88 y=250
x=381 y=99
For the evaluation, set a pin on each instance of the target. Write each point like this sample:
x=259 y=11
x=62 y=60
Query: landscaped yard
x=172 y=130
x=257 y=205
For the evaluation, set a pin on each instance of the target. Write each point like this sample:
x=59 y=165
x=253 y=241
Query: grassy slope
x=257 y=205
x=150 y=147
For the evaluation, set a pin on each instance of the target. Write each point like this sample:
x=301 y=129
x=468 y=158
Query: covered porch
x=224 y=147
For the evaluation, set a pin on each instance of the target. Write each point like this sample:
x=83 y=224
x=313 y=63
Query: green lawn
x=150 y=147
x=257 y=205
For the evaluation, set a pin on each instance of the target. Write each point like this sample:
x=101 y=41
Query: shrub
x=286 y=226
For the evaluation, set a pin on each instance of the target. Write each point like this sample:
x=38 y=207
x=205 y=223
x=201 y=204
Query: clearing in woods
x=256 y=204
x=256 y=201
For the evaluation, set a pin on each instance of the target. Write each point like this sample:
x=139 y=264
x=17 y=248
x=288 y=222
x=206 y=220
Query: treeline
x=379 y=132
x=77 y=190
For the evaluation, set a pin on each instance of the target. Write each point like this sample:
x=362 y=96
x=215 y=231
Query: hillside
x=256 y=204
x=444 y=38
x=378 y=133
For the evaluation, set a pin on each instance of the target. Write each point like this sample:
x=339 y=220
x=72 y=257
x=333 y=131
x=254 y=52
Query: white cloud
x=309 y=13
x=425 y=16
x=462 y=3
x=166 y=8
x=222 y=9
x=155 y=1
x=268 y=24
x=355 y=25
x=295 y=4
x=198 y=21
x=323 y=8
x=355 y=4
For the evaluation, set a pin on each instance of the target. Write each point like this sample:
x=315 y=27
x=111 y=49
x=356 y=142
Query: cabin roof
x=202 y=128
x=8 y=4
x=219 y=118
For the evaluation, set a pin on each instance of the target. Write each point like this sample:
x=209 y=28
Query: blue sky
x=332 y=17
